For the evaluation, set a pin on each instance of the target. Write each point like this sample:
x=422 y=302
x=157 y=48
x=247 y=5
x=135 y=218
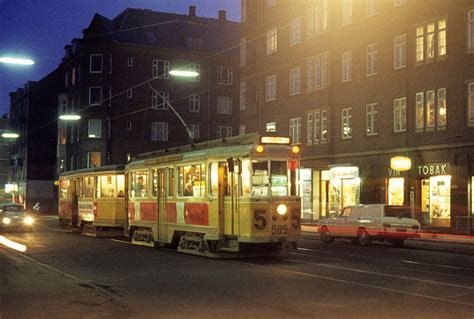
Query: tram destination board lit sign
x=275 y=140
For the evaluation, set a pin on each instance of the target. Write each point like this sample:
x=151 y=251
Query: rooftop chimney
x=192 y=11
x=222 y=15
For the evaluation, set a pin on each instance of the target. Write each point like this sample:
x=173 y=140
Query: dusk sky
x=39 y=29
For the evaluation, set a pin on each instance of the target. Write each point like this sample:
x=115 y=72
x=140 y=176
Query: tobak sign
x=433 y=169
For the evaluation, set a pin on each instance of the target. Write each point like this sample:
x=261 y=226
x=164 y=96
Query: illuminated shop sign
x=344 y=172
x=433 y=169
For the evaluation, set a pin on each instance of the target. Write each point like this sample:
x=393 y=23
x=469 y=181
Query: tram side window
x=191 y=180
x=279 y=178
x=246 y=169
x=87 y=189
x=139 y=184
x=294 y=178
x=106 y=187
x=120 y=185
x=260 y=178
x=64 y=188
x=154 y=182
x=213 y=179
x=170 y=182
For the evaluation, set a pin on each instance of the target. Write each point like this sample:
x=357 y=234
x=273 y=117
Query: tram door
x=222 y=192
x=74 y=203
x=161 y=198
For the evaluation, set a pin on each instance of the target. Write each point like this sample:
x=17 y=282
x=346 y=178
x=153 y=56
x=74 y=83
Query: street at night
x=66 y=275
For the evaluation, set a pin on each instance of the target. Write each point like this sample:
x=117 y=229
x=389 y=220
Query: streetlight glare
x=184 y=73
x=70 y=117
x=9 y=60
x=10 y=135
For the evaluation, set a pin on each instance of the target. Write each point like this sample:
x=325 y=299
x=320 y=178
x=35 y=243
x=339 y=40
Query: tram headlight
x=6 y=220
x=282 y=209
x=29 y=220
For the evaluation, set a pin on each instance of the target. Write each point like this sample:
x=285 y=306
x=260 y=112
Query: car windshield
x=12 y=208
x=402 y=212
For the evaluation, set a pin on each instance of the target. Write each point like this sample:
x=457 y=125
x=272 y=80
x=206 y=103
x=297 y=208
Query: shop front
x=340 y=187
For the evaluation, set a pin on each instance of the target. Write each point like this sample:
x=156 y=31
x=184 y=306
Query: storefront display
x=440 y=199
x=396 y=186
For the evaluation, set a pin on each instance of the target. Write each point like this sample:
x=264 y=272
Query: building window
x=224 y=105
x=442 y=109
x=242 y=129
x=318 y=18
x=195 y=43
x=430 y=110
x=225 y=76
x=93 y=160
x=347 y=66
x=346 y=12
x=295 y=31
x=318 y=72
x=310 y=127
x=159 y=131
x=430 y=41
x=94 y=129
x=271 y=127
x=371 y=7
x=371 y=59
x=73 y=76
x=419 y=111
x=470 y=29
x=160 y=100
x=295 y=130
x=420 y=43
x=295 y=81
x=397 y=3
x=270 y=88
x=324 y=126
x=129 y=93
x=400 y=115
x=130 y=61
x=195 y=131
x=194 y=103
x=161 y=69
x=441 y=37
x=66 y=80
x=272 y=41
x=223 y=131
x=129 y=125
x=470 y=102
x=346 y=123
x=317 y=127
x=243 y=51
x=95 y=65
x=243 y=95
x=196 y=67
x=371 y=119
x=95 y=95
x=399 y=52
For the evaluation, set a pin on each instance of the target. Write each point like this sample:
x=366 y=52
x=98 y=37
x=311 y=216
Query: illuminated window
x=324 y=126
x=371 y=7
x=442 y=37
x=270 y=88
x=419 y=112
x=318 y=17
x=270 y=127
x=161 y=69
x=93 y=159
x=295 y=130
x=295 y=81
x=96 y=64
x=191 y=180
x=346 y=122
x=442 y=109
x=139 y=184
x=272 y=41
x=420 y=43
x=346 y=12
x=430 y=41
x=400 y=115
x=430 y=109
x=159 y=131
x=106 y=186
x=295 y=31
x=396 y=187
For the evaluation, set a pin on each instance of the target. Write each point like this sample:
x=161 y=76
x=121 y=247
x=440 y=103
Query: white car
x=363 y=223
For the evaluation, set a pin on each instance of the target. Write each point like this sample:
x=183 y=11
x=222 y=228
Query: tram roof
x=100 y=169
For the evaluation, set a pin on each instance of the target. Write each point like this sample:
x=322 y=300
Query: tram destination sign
x=433 y=169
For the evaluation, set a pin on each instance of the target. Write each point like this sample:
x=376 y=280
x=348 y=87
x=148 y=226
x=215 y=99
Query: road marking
x=386 y=275
x=300 y=273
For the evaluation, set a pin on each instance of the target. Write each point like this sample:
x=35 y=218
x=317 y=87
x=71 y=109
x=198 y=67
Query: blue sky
x=39 y=29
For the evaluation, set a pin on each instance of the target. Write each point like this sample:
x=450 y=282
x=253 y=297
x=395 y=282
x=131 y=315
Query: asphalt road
x=64 y=275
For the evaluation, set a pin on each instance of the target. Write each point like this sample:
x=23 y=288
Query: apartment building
x=358 y=84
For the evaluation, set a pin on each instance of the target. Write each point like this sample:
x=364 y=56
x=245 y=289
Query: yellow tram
x=92 y=200
x=225 y=197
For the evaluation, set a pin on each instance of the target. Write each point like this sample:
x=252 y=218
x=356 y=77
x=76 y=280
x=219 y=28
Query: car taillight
x=415 y=227
x=387 y=225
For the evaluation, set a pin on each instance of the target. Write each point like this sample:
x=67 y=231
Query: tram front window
x=272 y=174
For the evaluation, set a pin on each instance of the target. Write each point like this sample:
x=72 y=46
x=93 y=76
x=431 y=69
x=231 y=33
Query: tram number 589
x=279 y=230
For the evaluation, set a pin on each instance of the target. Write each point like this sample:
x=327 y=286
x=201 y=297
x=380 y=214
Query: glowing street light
x=17 y=61
x=70 y=117
x=183 y=73
x=10 y=135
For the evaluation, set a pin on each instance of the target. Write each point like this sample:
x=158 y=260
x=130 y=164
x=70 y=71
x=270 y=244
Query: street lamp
x=69 y=117
x=17 y=61
x=183 y=73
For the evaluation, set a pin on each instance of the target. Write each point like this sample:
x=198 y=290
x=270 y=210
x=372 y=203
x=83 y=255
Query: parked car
x=14 y=217
x=363 y=223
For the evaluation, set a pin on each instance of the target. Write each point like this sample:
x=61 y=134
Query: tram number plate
x=279 y=230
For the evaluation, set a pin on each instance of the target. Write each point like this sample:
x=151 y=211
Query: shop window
x=396 y=190
x=191 y=180
x=440 y=200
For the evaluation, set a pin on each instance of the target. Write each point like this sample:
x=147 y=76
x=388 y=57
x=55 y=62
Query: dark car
x=14 y=217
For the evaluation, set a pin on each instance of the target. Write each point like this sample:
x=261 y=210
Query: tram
x=92 y=200
x=230 y=197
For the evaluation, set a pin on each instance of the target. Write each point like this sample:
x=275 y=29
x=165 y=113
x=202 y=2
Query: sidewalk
x=311 y=229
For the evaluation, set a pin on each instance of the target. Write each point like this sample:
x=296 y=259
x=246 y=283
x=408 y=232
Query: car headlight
x=282 y=209
x=6 y=220
x=29 y=220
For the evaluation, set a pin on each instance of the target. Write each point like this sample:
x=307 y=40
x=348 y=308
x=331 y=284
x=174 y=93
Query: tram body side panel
x=65 y=211
x=110 y=213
